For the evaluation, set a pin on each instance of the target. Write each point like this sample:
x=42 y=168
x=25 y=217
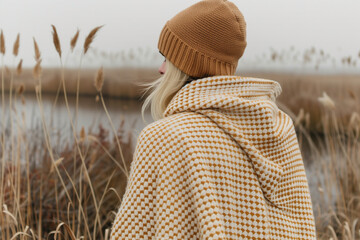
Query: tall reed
x=332 y=157
x=51 y=193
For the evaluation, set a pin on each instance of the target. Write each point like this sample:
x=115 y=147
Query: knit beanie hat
x=206 y=39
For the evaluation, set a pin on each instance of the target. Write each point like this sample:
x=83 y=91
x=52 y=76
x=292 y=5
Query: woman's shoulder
x=174 y=125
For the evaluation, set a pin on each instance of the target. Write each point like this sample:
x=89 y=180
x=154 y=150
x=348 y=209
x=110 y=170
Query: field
x=56 y=188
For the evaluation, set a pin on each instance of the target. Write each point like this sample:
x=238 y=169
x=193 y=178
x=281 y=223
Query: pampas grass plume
x=90 y=38
x=82 y=134
x=327 y=101
x=354 y=121
x=74 y=40
x=99 y=79
x=56 y=40
x=21 y=89
x=19 y=67
x=37 y=51
x=2 y=43
x=37 y=69
x=16 y=45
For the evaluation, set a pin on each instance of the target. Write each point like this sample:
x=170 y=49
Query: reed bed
x=70 y=188
x=299 y=91
x=55 y=188
x=332 y=162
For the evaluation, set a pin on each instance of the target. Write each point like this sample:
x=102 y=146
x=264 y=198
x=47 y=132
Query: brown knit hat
x=205 y=39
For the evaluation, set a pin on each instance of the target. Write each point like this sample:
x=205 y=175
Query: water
x=90 y=114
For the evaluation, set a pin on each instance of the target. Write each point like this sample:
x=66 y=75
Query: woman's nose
x=162 y=68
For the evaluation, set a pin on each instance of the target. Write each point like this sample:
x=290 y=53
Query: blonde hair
x=163 y=90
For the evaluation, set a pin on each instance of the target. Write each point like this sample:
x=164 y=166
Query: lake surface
x=90 y=114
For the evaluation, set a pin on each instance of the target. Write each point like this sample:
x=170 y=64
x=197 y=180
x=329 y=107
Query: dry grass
x=56 y=40
x=19 y=67
x=57 y=189
x=74 y=40
x=2 y=43
x=37 y=51
x=35 y=197
x=302 y=92
x=90 y=38
x=53 y=187
x=119 y=82
x=16 y=45
x=37 y=71
x=332 y=160
x=99 y=79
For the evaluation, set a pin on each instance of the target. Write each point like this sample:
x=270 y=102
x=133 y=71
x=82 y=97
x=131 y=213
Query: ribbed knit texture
x=206 y=39
x=224 y=163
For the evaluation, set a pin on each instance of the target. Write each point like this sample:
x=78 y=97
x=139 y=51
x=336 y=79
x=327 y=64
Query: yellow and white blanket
x=224 y=163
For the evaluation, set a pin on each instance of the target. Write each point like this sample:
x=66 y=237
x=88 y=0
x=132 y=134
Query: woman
x=221 y=161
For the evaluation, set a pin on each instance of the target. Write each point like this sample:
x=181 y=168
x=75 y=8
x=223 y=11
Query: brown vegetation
x=119 y=82
x=299 y=91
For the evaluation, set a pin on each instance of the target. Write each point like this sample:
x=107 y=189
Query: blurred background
x=54 y=118
x=289 y=38
x=325 y=31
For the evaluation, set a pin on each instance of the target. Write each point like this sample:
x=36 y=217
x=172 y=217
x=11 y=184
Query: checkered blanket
x=224 y=163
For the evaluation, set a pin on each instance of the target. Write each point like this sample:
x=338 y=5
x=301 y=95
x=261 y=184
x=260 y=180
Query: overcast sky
x=332 y=25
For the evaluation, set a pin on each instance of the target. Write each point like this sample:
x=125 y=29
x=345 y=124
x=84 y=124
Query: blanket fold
x=223 y=163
